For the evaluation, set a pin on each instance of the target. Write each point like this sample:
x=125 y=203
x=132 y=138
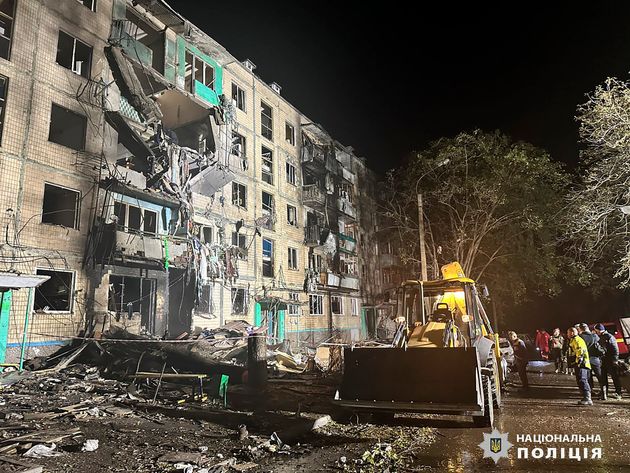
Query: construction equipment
x=444 y=359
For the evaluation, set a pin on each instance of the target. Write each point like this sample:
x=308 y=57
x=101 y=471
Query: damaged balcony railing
x=312 y=235
x=313 y=195
x=347 y=209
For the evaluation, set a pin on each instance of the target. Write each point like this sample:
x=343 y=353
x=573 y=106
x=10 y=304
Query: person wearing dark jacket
x=595 y=352
x=609 y=361
x=520 y=358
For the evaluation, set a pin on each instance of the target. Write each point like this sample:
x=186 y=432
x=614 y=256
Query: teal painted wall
x=209 y=95
x=257 y=315
x=5 y=310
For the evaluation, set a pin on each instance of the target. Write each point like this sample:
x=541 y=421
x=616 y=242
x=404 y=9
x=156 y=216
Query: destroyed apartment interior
x=177 y=239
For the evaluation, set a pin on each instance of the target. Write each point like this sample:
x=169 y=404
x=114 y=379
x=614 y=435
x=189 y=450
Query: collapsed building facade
x=153 y=181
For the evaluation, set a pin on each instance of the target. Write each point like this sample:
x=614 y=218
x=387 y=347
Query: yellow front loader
x=444 y=358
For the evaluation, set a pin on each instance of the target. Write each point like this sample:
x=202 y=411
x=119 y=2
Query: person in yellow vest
x=579 y=361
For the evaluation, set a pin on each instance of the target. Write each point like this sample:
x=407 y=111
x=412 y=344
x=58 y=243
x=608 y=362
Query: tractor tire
x=487 y=419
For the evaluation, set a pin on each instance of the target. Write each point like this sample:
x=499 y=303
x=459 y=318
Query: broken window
x=289 y=133
x=74 y=54
x=266 y=121
x=4 y=83
x=54 y=295
x=267 y=203
x=336 y=305
x=267 y=165
x=239 y=195
x=238 y=96
x=240 y=240
x=129 y=295
x=61 y=206
x=91 y=4
x=7 y=13
x=206 y=304
x=196 y=70
x=267 y=258
x=294 y=309
x=355 y=305
x=205 y=234
x=316 y=304
x=293 y=262
x=238 y=149
x=292 y=215
x=67 y=128
x=134 y=219
x=290 y=173
x=315 y=262
x=239 y=301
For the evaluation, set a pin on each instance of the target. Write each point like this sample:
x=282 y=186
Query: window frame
x=3 y=104
x=289 y=137
x=339 y=301
x=75 y=40
x=237 y=92
x=245 y=305
x=238 y=186
x=311 y=304
x=266 y=130
x=267 y=176
x=10 y=37
x=268 y=260
x=91 y=8
x=292 y=258
x=293 y=309
x=291 y=173
x=355 y=304
x=71 y=289
x=77 y=206
x=193 y=73
x=295 y=215
x=143 y=220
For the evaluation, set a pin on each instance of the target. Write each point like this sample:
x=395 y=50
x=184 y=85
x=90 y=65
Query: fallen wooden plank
x=18 y=466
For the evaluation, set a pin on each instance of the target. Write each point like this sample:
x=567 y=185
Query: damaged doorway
x=133 y=297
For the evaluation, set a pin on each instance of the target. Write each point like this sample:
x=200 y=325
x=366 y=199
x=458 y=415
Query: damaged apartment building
x=151 y=180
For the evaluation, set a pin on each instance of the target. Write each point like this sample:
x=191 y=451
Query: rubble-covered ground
x=53 y=418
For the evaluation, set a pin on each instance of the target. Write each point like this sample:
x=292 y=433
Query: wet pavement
x=550 y=407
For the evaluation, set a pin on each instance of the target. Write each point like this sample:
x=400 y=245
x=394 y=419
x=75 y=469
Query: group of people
x=590 y=355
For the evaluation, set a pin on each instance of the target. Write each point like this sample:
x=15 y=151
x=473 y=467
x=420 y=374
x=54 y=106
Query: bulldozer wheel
x=487 y=419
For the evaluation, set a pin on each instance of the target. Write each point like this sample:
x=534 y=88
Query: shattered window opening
x=91 y=4
x=67 y=128
x=239 y=301
x=267 y=165
x=290 y=173
x=240 y=240
x=292 y=215
x=205 y=234
x=267 y=258
x=4 y=84
x=7 y=15
x=336 y=305
x=137 y=294
x=316 y=304
x=55 y=295
x=266 y=121
x=315 y=262
x=293 y=262
x=239 y=195
x=206 y=303
x=199 y=70
x=289 y=133
x=294 y=309
x=238 y=149
x=238 y=96
x=61 y=206
x=267 y=203
x=74 y=54
x=354 y=302
x=134 y=219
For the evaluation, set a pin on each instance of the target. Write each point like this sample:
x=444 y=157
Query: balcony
x=348 y=176
x=312 y=235
x=347 y=244
x=348 y=212
x=388 y=260
x=350 y=282
x=329 y=279
x=313 y=196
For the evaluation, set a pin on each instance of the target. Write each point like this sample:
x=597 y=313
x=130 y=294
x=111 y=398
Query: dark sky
x=388 y=80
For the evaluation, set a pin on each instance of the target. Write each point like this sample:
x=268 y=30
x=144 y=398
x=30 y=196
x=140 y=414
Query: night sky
x=389 y=80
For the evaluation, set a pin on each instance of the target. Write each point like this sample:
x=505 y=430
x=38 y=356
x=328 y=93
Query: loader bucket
x=442 y=380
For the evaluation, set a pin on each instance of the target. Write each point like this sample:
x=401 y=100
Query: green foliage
x=490 y=203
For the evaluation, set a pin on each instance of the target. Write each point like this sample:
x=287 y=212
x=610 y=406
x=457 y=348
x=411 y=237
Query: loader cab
x=428 y=303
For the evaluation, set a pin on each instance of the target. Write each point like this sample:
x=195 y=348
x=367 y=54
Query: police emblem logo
x=495 y=445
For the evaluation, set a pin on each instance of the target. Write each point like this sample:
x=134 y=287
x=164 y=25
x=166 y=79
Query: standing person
x=609 y=361
x=578 y=360
x=556 y=342
x=542 y=343
x=595 y=352
x=520 y=358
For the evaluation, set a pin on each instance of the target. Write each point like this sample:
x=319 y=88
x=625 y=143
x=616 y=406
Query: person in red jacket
x=542 y=343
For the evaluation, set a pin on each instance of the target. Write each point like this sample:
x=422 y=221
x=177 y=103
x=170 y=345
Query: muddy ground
x=142 y=437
